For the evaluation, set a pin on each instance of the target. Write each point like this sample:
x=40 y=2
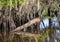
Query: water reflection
x=54 y=23
x=44 y=24
x=56 y=35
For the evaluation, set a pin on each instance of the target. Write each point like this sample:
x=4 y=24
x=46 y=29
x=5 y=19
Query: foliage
x=44 y=34
x=54 y=7
x=27 y=11
x=11 y=2
x=45 y=11
x=53 y=4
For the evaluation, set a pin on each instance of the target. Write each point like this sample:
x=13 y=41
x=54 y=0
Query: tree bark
x=36 y=20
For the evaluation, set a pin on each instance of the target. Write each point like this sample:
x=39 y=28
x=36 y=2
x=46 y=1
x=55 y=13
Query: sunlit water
x=54 y=23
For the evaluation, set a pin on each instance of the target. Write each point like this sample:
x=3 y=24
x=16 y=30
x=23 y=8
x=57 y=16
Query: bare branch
x=36 y=20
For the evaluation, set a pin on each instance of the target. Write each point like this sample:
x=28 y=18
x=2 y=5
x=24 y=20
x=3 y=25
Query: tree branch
x=36 y=20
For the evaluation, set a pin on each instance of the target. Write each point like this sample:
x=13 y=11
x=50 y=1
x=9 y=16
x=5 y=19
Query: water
x=54 y=23
x=44 y=24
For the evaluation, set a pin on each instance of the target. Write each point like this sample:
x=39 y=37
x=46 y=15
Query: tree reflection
x=54 y=23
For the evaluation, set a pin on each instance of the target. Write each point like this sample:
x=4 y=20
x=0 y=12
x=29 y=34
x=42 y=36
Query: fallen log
x=36 y=20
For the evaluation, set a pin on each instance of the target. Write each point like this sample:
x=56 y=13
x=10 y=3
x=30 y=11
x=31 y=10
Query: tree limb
x=36 y=20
